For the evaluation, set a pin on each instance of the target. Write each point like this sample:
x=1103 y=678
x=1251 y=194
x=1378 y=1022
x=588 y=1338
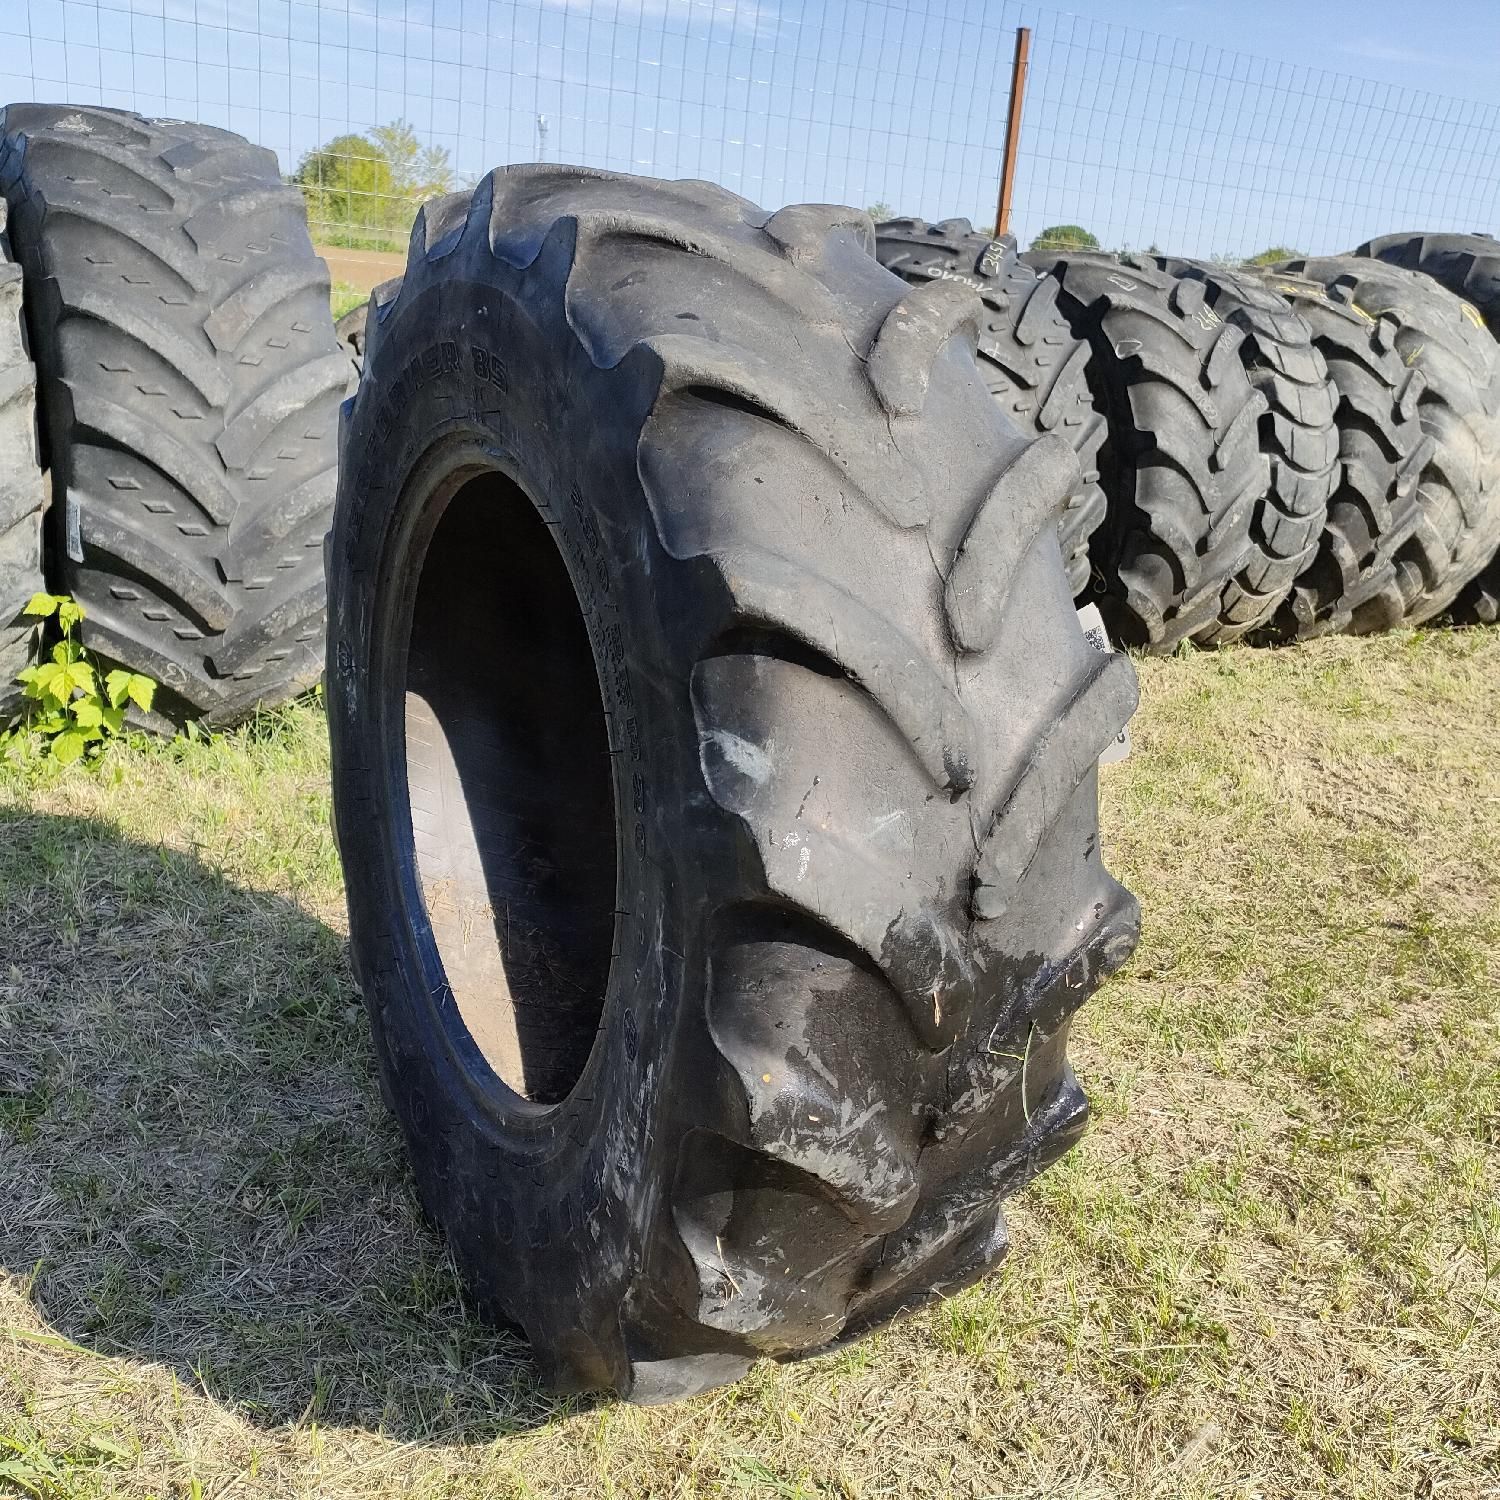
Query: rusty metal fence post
x=1013 y=128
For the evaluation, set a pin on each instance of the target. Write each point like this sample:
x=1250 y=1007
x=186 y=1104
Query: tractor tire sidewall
x=509 y=1174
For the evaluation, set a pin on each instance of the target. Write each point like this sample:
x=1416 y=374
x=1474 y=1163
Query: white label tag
x=75 y=529
x=1098 y=637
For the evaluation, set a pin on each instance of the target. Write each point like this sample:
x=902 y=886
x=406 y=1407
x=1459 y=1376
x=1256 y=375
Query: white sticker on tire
x=1097 y=636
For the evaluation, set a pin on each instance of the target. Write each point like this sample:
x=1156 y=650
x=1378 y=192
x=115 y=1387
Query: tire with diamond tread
x=1353 y=584
x=1297 y=431
x=1181 y=466
x=720 y=922
x=189 y=388
x=1034 y=365
x=1467 y=264
x=21 y=490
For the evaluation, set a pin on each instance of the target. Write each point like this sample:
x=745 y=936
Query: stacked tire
x=1281 y=452
x=1437 y=447
x=1181 y=464
x=189 y=385
x=1468 y=265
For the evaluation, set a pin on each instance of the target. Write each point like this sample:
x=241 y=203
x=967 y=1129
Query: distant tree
x=1275 y=253
x=1065 y=237
x=880 y=210
x=364 y=190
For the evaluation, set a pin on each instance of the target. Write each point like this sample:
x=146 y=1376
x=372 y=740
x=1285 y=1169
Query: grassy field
x=1272 y=1268
x=343 y=297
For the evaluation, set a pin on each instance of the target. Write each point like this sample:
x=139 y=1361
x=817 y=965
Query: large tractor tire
x=714 y=768
x=1297 y=432
x=1181 y=466
x=1458 y=489
x=1355 y=583
x=21 y=491
x=1034 y=366
x=190 y=383
x=1467 y=264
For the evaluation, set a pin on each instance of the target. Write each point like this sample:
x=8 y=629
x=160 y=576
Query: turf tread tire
x=190 y=384
x=1034 y=365
x=1181 y=466
x=860 y=878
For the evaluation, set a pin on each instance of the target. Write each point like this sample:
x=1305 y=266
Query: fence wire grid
x=1139 y=138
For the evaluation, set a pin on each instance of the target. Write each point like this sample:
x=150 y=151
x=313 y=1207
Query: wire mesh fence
x=1140 y=139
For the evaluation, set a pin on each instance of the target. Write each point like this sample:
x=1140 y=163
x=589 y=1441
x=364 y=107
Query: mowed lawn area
x=1271 y=1269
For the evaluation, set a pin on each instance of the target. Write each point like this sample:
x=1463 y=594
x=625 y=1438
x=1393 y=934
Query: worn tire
x=1467 y=264
x=21 y=490
x=1181 y=466
x=1034 y=366
x=1458 y=490
x=1353 y=583
x=1297 y=431
x=190 y=383
x=1478 y=603
x=714 y=746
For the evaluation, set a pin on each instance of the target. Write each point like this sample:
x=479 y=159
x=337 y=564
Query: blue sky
x=1198 y=127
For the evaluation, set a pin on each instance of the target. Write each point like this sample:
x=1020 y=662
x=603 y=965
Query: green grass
x=1271 y=1269
x=345 y=298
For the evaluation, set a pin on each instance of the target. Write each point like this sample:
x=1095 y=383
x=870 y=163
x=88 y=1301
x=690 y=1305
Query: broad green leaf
x=114 y=720
x=42 y=605
x=68 y=746
x=89 y=713
x=81 y=676
x=116 y=685
x=51 y=682
x=142 y=691
x=69 y=613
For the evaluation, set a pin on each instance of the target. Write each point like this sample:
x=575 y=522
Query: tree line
x=364 y=189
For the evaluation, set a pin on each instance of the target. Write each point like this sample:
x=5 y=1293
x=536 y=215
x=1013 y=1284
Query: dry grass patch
x=1270 y=1270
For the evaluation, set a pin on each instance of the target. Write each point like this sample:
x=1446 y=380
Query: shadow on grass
x=196 y=1168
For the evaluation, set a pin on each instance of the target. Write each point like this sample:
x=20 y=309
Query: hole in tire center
x=510 y=789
